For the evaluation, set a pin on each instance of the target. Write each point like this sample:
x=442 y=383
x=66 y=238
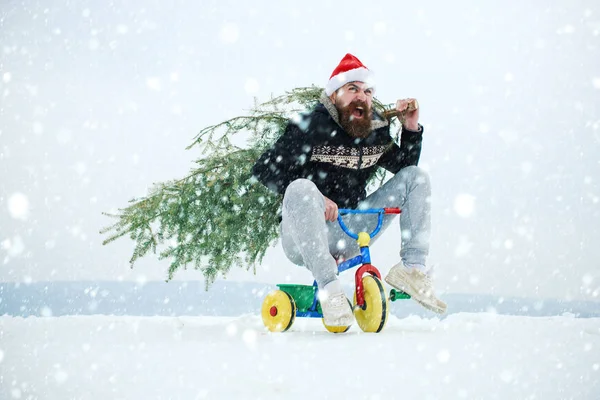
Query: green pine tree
x=217 y=216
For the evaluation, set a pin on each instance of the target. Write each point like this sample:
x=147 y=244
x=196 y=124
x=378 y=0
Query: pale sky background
x=99 y=101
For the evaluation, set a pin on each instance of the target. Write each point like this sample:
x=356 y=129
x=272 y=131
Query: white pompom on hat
x=350 y=69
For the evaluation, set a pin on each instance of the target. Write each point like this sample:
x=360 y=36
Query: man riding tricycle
x=321 y=165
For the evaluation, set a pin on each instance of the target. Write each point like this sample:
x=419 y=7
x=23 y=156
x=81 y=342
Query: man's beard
x=355 y=127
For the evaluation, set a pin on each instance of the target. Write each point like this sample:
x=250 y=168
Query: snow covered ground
x=466 y=355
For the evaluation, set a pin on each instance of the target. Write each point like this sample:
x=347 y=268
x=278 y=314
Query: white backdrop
x=99 y=101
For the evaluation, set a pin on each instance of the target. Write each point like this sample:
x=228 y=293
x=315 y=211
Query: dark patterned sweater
x=316 y=147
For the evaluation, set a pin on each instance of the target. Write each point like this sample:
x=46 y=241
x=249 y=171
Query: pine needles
x=217 y=216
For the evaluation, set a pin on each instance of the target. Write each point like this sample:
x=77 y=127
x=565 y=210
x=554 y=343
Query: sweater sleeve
x=277 y=167
x=397 y=157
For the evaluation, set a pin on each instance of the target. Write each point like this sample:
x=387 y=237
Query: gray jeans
x=310 y=241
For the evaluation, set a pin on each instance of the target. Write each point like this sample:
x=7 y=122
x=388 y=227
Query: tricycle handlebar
x=379 y=211
x=386 y=210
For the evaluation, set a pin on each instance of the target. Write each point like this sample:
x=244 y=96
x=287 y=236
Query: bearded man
x=323 y=161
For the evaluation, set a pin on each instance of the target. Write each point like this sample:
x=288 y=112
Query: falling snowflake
x=18 y=206
x=464 y=205
x=229 y=33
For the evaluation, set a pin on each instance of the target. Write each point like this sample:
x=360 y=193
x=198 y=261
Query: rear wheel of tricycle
x=374 y=314
x=278 y=311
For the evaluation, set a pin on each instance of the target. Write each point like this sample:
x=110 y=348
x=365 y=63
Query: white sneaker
x=417 y=284
x=335 y=306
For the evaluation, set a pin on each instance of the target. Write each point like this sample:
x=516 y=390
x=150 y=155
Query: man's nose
x=361 y=95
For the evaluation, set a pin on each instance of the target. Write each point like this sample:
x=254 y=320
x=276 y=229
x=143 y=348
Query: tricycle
x=370 y=303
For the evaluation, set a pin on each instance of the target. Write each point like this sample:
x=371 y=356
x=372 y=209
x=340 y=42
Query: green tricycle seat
x=303 y=295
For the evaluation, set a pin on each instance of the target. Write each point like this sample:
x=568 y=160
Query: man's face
x=353 y=102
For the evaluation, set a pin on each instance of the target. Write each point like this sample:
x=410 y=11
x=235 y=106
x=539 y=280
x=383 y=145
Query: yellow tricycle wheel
x=278 y=311
x=375 y=313
x=337 y=329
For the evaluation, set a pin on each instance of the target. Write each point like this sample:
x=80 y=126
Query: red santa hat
x=350 y=69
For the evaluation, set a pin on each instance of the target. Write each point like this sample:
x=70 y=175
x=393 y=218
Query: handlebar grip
x=392 y=210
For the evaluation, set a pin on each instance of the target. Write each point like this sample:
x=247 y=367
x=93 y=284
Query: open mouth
x=358 y=112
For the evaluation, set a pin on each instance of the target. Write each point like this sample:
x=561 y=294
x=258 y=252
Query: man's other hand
x=331 y=210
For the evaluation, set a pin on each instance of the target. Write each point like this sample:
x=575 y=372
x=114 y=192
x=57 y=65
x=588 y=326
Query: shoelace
x=427 y=280
x=338 y=300
x=426 y=271
x=426 y=286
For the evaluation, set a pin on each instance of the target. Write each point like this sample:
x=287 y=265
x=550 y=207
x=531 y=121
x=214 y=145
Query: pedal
x=398 y=295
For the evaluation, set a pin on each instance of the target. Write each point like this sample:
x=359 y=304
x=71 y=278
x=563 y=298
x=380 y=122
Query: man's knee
x=301 y=190
x=300 y=186
x=415 y=174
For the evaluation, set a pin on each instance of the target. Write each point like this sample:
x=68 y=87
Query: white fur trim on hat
x=358 y=74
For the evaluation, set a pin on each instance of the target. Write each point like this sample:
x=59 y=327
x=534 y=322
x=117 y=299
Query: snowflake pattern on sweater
x=348 y=157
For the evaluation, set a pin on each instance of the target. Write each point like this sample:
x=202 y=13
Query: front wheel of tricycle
x=278 y=311
x=374 y=314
